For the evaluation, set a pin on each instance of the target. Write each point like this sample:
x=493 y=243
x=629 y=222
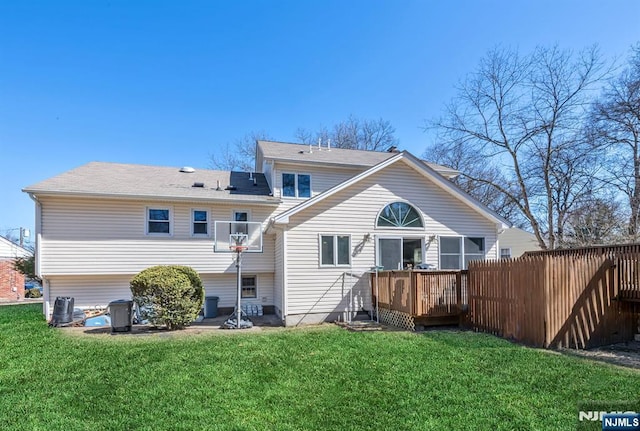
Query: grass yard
x=303 y=379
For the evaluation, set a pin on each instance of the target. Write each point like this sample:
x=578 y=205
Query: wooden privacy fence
x=421 y=293
x=562 y=298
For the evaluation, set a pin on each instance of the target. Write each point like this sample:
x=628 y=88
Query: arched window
x=399 y=214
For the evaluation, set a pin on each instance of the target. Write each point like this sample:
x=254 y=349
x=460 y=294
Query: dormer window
x=296 y=185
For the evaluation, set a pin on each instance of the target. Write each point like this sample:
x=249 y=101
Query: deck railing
x=562 y=298
x=421 y=293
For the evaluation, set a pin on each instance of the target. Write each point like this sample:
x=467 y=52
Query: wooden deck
x=430 y=297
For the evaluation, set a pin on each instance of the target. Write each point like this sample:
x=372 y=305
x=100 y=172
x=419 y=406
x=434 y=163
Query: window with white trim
x=199 y=222
x=450 y=252
x=158 y=221
x=505 y=253
x=335 y=250
x=296 y=185
x=240 y=216
x=249 y=286
x=396 y=252
x=456 y=252
x=473 y=250
x=399 y=215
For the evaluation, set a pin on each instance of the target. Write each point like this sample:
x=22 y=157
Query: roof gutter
x=271 y=201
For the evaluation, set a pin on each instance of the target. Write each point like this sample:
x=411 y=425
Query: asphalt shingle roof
x=299 y=153
x=115 y=179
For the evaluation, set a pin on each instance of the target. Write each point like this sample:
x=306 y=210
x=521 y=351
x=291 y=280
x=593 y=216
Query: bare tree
x=615 y=127
x=354 y=134
x=238 y=156
x=372 y=135
x=459 y=157
x=523 y=116
x=597 y=220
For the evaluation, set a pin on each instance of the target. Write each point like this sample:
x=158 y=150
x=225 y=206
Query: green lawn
x=320 y=378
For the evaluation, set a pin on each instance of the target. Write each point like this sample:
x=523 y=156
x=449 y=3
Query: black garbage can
x=211 y=306
x=62 y=310
x=121 y=312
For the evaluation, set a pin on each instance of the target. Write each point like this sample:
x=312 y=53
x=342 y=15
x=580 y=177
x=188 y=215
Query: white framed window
x=473 y=250
x=399 y=215
x=456 y=252
x=505 y=253
x=249 y=286
x=159 y=221
x=199 y=222
x=335 y=250
x=240 y=217
x=399 y=252
x=450 y=252
x=296 y=185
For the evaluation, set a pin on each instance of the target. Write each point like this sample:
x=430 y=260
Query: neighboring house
x=515 y=242
x=329 y=216
x=11 y=281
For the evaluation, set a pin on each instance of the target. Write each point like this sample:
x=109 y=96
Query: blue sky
x=170 y=82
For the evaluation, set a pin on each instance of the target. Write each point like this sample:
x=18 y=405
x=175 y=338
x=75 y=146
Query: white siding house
x=328 y=217
x=10 y=250
x=514 y=242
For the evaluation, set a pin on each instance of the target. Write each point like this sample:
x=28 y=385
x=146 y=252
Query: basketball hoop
x=237 y=237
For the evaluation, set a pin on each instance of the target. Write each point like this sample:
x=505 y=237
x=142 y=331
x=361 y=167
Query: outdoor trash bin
x=121 y=312
x=62 y=310
x=211 y=306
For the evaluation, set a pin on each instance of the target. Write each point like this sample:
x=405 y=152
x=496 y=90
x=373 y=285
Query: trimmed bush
x=170 y=295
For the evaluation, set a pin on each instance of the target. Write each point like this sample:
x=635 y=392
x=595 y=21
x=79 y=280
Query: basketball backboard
x=229 y=234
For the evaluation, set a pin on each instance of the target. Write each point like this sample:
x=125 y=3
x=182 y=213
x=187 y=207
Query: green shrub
x=32 y=293
x=168 y=295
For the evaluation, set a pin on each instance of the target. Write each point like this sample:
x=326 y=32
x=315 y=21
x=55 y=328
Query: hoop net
x=238 y=248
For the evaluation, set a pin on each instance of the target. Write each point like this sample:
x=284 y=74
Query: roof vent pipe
x=328 y=144
x=319 y=144
x=251 y=176
x=310 y=148
x=218 y=185
x=255 y=181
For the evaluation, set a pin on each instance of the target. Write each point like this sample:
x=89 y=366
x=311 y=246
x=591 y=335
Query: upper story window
x=296 y=185
x=399 y=214
x=240 y=217
x=159 y=221
x=200 y=222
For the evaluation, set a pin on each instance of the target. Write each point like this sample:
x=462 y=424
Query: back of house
x=328 y=217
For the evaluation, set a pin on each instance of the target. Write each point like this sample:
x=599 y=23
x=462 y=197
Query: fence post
x=459 y=290
x=412 y=292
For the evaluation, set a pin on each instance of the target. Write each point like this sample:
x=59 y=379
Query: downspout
x=499 y=230
x=283 y=310
x=285 y=302
x=46 y=307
